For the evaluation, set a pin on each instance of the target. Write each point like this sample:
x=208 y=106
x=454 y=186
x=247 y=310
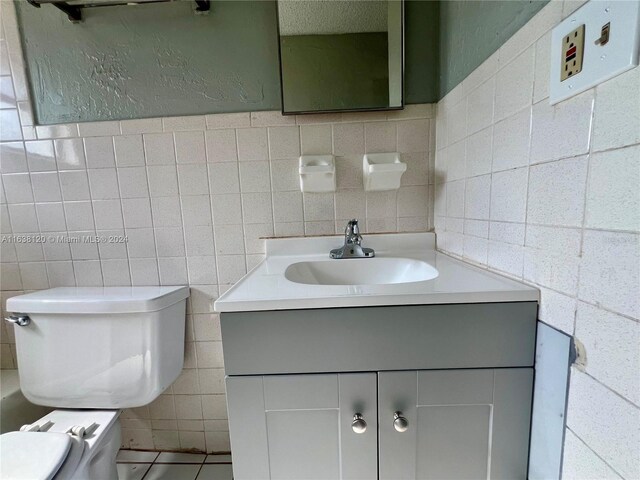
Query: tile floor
x=139 y=465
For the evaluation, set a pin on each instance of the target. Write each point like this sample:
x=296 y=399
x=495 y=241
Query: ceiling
x=326 y=17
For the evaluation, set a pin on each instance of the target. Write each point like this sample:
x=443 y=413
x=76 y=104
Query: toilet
x=89 y=352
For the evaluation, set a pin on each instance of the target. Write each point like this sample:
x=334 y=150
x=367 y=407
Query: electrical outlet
x=572 y=53
x=606 y=38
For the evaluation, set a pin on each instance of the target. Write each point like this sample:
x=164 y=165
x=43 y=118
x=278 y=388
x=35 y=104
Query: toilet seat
x=55 y=454
x=38 y=455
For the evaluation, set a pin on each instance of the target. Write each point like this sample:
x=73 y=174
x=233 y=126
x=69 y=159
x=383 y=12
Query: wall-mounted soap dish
x=317 y=173
x=382 y=171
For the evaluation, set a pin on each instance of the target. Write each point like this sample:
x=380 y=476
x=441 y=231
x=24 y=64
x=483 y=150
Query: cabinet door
x=461 y=424
x=300 y=426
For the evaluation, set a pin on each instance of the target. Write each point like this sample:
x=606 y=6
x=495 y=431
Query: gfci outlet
x=572 y=52
x=595 y=43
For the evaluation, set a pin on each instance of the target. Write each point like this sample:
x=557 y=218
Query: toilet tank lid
x=83 y=300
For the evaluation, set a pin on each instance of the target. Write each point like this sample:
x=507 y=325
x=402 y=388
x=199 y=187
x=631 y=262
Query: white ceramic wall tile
x=612 y=343
x=163 y=180
x=348 y=139
x=550 y=139
x=196 y=210
x=480 y=107
x=51 y=217
x=23 y=218
x=456 y=160
x=98 y=129
x=557 y=191
x=221 y=145
x=99 y=152
x=613 y=197
x=605 y=422
x=477 y=197
x=505 y=257
x=455 y=198
x=580 y=462
x=190 y=147
x=380 y=137
x=159 y=149
x=107 y=214
x=542 y=67
x=229 y=120
x=79 y=215
x=284 y=175
x=479 y=148
x=13 y=158
x=132 y=182
x=255 y=177
x=315 y=140
x=141 y=125
x=557 y=310
x=40 y=155
x=615 y=127
x=411 y=136
x=284 y=142
x=17 y=187
x=176 y=124
x=511 y=138
x=287 y=208
x=103 y=183
x=514 y=85
x=70 y=153
x=609 y=275
x=128 y=150
x=509 y=195
x=192 y=179
x=10 y=126
x=252 y=144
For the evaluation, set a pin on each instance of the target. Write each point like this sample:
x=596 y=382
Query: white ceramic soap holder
x=382 y=171
x=317 y=173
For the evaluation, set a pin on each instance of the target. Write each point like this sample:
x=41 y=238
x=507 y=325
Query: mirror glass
x=340 y=55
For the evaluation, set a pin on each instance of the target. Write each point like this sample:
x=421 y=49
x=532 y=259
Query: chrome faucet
x=352 y=247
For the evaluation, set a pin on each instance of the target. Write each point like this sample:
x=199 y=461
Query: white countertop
x=266 y=288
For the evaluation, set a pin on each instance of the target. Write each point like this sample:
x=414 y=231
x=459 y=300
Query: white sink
x=360 y=271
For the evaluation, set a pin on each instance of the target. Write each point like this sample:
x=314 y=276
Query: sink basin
x=361 y=271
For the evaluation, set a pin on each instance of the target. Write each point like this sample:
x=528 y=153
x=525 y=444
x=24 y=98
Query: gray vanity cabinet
x=458 y=377
x=458 y=424
x=293 y=427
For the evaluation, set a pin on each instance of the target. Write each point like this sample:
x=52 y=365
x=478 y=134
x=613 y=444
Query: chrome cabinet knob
x=400 y=423
x=358 y=425
x=20 y=320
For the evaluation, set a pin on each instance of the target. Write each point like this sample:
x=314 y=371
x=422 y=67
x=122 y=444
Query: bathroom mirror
x=344 y=55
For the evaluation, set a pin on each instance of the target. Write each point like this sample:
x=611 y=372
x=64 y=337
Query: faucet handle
x=352 y=232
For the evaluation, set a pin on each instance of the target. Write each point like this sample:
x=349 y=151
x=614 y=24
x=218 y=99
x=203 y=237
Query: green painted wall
x=151 y=60
x=470 y=31
x=156 y=60
x=421 y=21
x=335 y=72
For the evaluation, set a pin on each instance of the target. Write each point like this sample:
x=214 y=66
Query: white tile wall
x=193 y=196
x=563 y=215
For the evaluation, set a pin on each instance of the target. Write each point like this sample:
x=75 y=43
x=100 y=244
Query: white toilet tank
x=105 y=347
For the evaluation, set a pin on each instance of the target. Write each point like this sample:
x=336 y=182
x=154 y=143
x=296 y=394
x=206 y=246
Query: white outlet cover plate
x=600 y=62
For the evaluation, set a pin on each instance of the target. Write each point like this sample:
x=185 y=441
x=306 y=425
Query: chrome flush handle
x=20 y=320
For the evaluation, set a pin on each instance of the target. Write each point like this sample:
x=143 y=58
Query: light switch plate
x=601 y=60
